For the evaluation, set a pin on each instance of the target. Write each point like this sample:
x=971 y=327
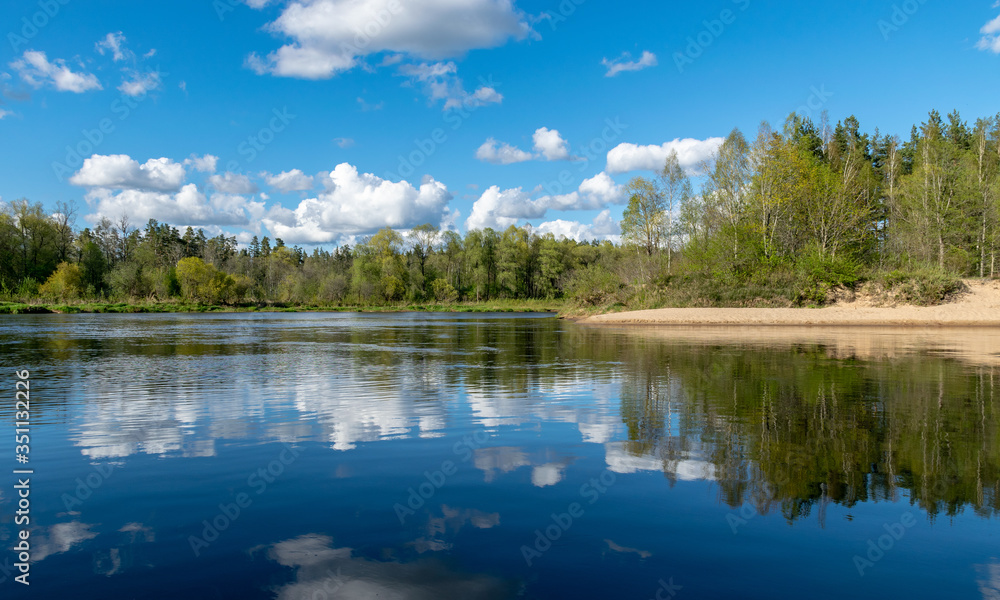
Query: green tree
x=644 y=220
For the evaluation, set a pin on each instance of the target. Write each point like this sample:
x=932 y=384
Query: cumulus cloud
x=501 y=153
x=290 y=181
x=357 y=203
x=188 y=207
x=550 y=144
x=202 y=164
x=36 y=70
x=602 y=188
x=991 y=36
x=690 y=153
x=624 y=63
x=603 y=227
x=328 y=37
x=501 y=209
x=593 y=194
x=232 y=183
x=120 y=171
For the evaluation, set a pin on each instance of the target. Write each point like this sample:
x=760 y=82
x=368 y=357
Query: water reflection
x=324 y=571
x=797 y=423
x=772 y=415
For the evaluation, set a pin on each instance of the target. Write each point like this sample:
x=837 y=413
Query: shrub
x=66 y=283
x=593 y=285
x=443 y=291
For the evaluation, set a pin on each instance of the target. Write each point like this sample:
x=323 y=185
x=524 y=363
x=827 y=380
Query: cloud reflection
x=323 y=571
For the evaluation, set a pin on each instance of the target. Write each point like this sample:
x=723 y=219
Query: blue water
x=489 y=456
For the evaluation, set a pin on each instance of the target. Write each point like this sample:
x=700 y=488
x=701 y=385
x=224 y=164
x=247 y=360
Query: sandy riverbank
x=979 y=306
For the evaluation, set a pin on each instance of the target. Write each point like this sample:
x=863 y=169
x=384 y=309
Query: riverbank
x=978 y=305
x=180 y=307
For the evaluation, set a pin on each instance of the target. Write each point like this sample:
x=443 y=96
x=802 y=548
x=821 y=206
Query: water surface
x=488 y=456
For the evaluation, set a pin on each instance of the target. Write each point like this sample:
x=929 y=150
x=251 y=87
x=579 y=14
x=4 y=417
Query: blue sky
x=319 y=121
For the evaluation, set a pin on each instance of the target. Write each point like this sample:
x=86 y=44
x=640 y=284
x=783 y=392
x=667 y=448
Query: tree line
x=782 y=217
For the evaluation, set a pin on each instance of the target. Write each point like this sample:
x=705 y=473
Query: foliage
x=781 y=219
x=65 y=284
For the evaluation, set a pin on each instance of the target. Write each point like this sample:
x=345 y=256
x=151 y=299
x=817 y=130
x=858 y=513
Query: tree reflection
x=794 y=428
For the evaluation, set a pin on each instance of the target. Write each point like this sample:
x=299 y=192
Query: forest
x=783 y=218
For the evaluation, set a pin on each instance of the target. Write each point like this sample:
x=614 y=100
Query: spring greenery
x=784 y=219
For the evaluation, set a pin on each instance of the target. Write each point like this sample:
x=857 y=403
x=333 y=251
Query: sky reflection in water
x=436 y=456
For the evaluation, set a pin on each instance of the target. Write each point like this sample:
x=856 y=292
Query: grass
x=146 y=306
x=779 y=288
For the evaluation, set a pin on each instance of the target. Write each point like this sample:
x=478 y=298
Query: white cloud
x=623 y=63
x=602 y=188
x=343 y=142
x=358 y=203
x=4 y=113
x=603 y=227
x=232 y=183
x=120 y=171
x=594 y=194
x=991 y=36
x=114 y=43
x=186 y=207
x=499 y=210
x=690 y=153
x=36 y=70
x=550 y=144
x=257 y=4
x=502 y=154
x=290 y=181
x=330 y=36
x=203 y=164
x=485 y=95
x=440 y=82
x=138 y=84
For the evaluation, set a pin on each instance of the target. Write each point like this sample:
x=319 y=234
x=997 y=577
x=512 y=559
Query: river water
x=489 y=456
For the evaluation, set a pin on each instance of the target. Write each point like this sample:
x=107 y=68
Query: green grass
x=505 y=306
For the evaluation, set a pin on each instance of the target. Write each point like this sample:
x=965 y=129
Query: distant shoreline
x=14 y=308
x=979 y=306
